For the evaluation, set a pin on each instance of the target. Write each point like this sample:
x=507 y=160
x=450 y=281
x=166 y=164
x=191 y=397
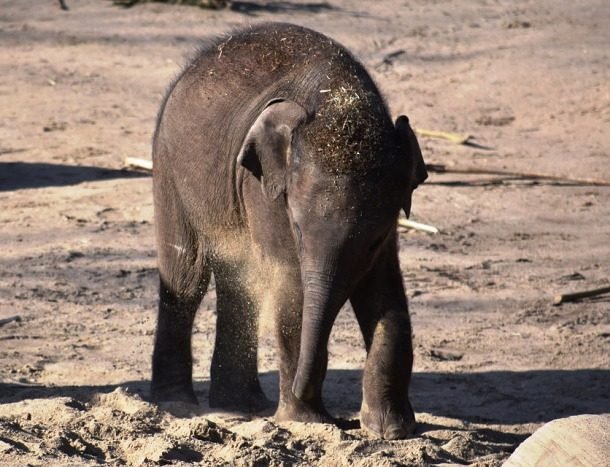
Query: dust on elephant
x=278 y=169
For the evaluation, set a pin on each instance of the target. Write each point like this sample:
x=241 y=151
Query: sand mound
x=120 y=427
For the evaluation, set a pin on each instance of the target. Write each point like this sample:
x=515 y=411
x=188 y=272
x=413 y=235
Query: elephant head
x=344 y=179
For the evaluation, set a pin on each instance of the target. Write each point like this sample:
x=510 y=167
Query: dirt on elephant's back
x=494 y=359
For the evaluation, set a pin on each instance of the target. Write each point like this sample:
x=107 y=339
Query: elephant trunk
x=323 y=298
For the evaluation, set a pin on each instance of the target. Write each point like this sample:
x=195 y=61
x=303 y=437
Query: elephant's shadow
x=495 y=397
x=22 y=175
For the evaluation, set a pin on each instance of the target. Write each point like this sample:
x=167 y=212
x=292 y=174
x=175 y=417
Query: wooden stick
x=571 y=297
x=10 y=319
x=456 y=138
x=143 y=164
x=441 y=168
x=146 y=164
x=417 y=226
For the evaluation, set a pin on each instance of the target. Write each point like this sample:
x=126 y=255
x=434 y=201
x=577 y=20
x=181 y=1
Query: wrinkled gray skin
x=276 y=139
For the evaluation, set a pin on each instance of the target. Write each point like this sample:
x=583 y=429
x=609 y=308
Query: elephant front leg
x=381 y=308
x=386 y=410
x=289 y=311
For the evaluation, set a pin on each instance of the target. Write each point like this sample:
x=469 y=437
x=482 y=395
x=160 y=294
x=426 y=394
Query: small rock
x=517 y=24
x=442 y=355
x=575 y=276
x=489 y=120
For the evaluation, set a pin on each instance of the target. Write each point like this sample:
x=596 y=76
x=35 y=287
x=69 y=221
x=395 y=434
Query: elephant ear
x=410 y=146
x=266 y=147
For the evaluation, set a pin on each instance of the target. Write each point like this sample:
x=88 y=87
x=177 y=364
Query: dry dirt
x=528 y=79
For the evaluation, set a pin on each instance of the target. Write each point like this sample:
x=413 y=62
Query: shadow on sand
x=496 y=397
x=253 y=8
x=20 y=175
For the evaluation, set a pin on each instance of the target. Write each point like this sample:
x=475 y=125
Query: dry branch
x=441 y=168
x=456 y=138
x=417 y=226
x=134 y=162
x=571 y=297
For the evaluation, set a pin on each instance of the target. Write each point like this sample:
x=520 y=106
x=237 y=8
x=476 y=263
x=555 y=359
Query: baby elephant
x=278 y=169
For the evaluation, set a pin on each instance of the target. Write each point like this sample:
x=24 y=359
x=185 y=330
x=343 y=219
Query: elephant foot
x=238 y=398
x=299 y=411
x=173 y=393
x=387 y=423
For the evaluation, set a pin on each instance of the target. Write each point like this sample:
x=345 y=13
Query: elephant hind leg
x=184 y=276
x=234 y=372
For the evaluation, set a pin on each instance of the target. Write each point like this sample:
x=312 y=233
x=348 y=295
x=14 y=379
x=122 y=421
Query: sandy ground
x=494 y=359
